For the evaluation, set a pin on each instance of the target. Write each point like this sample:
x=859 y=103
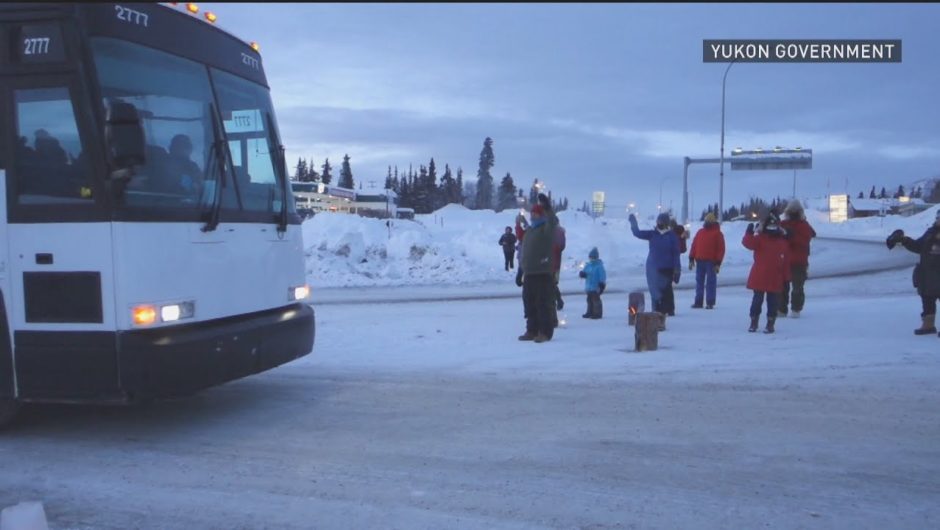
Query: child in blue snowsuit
x=595 y=281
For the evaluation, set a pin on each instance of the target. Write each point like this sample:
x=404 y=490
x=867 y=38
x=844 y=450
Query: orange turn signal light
x=144 y=315
x=192 y=8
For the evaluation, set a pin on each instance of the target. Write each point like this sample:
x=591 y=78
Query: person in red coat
x=799 y=233
x=705 y=256
x=770 y=269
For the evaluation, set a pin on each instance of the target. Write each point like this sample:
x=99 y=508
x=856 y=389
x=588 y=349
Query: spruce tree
x=459 y=195
x=300 y=172
x=345 y=175
x=449 y=192
x=872 y=195
x=388 y=179
x=506 y=195
x=484 y=195
x=884 y=193
x=534 y=192
x=327 y=176
x=900 y=192
x=861 y=195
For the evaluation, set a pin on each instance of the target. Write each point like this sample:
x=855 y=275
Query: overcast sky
x=598 y=97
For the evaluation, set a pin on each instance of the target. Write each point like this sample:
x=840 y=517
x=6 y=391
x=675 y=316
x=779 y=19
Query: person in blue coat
x=662 y=262
x=595 y=281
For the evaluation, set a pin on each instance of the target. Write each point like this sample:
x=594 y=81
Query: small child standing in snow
x=595 y=281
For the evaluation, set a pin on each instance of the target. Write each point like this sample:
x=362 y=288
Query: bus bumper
x=162 y=362
x=181 y=360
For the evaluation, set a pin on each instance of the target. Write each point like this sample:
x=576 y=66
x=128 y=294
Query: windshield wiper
x=277 y=150
x=215 y=150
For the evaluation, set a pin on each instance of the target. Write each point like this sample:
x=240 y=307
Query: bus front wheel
x=8 y=409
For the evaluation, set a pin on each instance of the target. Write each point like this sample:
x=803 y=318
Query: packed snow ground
x=433 y=415
x=458 y=247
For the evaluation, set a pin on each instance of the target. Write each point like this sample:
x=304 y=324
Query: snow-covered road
x=432 y=415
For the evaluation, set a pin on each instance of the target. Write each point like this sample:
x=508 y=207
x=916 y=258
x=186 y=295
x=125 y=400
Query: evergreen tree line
x=423 y=191
x=916 y=193
x=754 y=208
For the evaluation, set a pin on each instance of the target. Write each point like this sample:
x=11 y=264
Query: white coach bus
x=150 y=245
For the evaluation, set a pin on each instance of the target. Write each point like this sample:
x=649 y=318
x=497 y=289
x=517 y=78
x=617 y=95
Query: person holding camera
x=662 y=263
x=926 y=275
x=799 y=233
x=770 y=269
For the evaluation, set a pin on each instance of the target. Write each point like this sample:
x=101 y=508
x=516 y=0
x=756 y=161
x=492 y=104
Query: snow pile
x=457 y=246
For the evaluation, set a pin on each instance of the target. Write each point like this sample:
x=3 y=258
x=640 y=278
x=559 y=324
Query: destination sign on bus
x=244 y=121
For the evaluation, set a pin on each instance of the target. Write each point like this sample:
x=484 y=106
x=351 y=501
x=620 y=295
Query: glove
x=632 y=219
x=894 y=238
x=691 y=263
x=602 y=286
x=675 y=276
x=519 y=278
x=750 y=228
x=717 y=267
x=582 y=274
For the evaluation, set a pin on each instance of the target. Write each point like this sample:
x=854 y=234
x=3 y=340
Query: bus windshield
x=248 y=116
x=176 y=103
x=173 y=97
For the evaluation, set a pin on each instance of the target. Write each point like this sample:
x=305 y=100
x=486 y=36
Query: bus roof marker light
x=192 y=8
x=255 y=47
x=210 y=16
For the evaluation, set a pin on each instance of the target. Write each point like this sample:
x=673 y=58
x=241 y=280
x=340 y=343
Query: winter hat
x=538 y=210
x=594 y=254
x=710 y=217
x=662 y=219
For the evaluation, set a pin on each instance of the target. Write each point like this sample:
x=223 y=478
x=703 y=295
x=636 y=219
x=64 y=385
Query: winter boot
x=753 y=327
x=770 y=325
x=710 y=306
x=527 y=336
x=696 y=305
x=928 y=327
x=586 y=315
x=540 y=339
x=794 y=314
x=662 y=322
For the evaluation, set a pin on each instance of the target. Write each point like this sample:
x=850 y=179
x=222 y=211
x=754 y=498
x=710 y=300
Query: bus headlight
x=297 y=294
x=174 y=312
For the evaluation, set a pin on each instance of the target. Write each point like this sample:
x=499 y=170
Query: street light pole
x=721 y=171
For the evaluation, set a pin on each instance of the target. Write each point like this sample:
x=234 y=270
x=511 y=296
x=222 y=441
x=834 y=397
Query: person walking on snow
x=508 y=242
x=538 y=273
x=595 y=281
x=770 y=269
x=705 y=256
x=926 y=273
x=662 y=262
x=799 y=233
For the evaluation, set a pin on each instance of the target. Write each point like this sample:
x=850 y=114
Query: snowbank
x=457 y=246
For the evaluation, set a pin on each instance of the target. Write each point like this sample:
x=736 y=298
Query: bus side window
x=50 y=166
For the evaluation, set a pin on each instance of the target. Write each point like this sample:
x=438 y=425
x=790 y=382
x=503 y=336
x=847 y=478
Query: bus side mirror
x=125 y=136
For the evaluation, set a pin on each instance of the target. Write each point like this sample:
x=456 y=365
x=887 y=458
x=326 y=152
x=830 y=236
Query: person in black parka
x=927 y=272
x=508 y=242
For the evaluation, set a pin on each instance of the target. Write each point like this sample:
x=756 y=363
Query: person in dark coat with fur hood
x=926 y=273
x=799 y=233
x=770 y=270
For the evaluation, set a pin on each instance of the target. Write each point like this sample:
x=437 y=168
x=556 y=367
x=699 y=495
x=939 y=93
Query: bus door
x=59 y=261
